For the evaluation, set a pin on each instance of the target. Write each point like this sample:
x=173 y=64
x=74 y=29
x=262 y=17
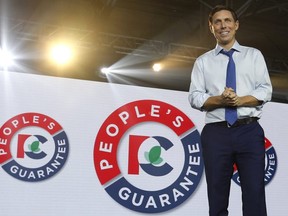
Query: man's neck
x=227 y=46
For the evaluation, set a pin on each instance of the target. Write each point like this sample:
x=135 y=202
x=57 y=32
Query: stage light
x=61 y=54
x=105 y=70
x=6 y=59
x=157 y=67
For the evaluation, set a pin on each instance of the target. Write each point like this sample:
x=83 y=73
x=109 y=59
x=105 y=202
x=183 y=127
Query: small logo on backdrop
x=147 y=155
x=33 y=147
x=270 y=164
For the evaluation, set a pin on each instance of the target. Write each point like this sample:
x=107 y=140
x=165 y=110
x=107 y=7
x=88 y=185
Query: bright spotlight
x=105 y=70
x=157 y=67
x=6 y=59
x=61 y=54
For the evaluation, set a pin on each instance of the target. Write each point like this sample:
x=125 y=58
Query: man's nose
x=223 y=25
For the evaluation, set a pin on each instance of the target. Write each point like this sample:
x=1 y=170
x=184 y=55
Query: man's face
x=224 y=27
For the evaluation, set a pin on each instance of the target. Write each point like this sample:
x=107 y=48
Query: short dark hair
x=219 y=8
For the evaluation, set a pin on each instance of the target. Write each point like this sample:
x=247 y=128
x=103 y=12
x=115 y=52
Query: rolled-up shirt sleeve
x=263 y=87
x=197 y=92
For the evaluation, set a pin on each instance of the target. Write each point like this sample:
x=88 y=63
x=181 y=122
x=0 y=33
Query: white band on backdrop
x=73 y=147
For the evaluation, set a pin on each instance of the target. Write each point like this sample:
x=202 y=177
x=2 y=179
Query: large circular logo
x=148 y=156
x=270 y=164
x=33 y=147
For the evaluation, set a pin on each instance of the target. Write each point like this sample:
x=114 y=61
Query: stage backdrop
x=72 y=147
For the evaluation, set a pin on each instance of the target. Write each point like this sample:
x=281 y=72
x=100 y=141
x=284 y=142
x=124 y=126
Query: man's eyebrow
x=225 y=19
x=215 y=20
x=228 y=18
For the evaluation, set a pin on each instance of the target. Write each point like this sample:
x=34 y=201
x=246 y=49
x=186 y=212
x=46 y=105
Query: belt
x=239 y=122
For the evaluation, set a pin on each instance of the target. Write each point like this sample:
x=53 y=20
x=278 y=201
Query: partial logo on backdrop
x=148 y=157
x=270 y=164
x=33 y=147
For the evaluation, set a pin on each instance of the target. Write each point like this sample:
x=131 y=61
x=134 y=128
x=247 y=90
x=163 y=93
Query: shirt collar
x=236 y=46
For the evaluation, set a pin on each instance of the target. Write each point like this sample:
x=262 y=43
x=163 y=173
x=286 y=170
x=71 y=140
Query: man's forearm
x=213 y=102
x=248 y=101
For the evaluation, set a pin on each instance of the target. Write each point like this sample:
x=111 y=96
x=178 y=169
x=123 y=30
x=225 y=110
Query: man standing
x=231 y=83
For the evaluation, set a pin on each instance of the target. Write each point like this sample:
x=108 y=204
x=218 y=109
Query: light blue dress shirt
x=208 y=79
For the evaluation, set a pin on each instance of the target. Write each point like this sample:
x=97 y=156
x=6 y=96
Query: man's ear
x=211 y=28
x=237 y=25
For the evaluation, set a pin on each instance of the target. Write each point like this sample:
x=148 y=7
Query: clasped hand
x=229 y=97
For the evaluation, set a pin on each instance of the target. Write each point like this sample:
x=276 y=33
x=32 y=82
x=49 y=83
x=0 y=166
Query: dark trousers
x=224 y=146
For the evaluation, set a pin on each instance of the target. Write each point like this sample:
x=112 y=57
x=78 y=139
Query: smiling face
x=223 y=26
